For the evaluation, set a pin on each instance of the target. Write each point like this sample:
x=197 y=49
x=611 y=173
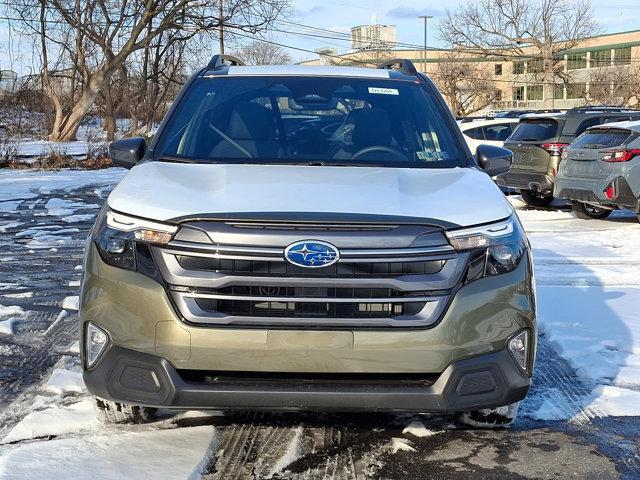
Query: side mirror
x=127 y=152
x=494 y=160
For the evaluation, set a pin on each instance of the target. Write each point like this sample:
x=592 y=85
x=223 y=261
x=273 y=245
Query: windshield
x=310 y=120
x=534 y=130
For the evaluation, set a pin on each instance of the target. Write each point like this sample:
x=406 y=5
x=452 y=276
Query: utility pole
x=221 y=21
x=426 y=19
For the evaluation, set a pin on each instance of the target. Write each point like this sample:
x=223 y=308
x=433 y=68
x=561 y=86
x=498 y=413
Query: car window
x=533 y=130
x=475 y=133
x=498 y=133
x=332 y=120
x=589 y=122
x=605 y=138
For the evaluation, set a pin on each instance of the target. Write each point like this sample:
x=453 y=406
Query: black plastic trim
x=316 y=217
x=507 y=385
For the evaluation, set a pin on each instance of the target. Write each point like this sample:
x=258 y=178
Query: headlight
x=115 y=236
x=495 y=248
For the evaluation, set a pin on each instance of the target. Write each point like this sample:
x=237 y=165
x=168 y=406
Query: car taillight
x=554 y=148
x=620 y=155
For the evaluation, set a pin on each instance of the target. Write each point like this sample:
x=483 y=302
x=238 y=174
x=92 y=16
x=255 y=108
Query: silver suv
x=600 y=171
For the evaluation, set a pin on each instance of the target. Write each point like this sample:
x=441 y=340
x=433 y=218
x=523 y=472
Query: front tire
x=490 y=418
x=589 y=212
x=536 y=199
x=111 y=412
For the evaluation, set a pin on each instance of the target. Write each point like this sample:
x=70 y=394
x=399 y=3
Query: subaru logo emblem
x=311 y=254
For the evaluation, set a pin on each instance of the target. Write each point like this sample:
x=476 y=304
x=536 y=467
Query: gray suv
x=600 y=171
x=537 y=144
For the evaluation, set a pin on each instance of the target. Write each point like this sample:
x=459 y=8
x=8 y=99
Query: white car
x=487 y=132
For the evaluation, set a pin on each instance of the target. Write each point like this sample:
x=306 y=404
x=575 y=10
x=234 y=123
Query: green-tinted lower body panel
x=138 y=316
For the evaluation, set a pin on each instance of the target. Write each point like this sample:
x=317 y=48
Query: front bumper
x=128 y=376
x=537 y=182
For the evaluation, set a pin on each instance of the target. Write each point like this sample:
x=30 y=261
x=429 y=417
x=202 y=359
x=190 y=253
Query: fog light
x=96 y=341
x=519 y=348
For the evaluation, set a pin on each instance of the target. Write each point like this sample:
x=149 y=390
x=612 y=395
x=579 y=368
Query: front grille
x=257 y=308
x=242 y=278
x=307 y=380
x=341 y=270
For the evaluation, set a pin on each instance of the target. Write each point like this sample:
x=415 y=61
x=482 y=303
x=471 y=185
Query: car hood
x=170 y=192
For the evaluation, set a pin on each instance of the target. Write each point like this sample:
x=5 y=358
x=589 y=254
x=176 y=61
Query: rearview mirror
x=127 y=152
x=494 y=160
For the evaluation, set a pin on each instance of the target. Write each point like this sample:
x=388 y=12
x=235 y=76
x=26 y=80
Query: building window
x=600 y=58
x=535 y=66
x=576 y=61
x=498 y=69
x=534 y=92
x=558 y=92
x=622 y=56
x=576 y=90
x=518 y=68
x=518 y=93
x=498 y=95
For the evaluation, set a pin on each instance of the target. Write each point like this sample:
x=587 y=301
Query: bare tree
x=90 y=41
x=466 y=86
x=509 y=29
x=615 y=86
x=262 y=53
x=363 y=58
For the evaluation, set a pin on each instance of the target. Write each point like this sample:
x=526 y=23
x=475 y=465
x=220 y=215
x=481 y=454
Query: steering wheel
x=396 y=154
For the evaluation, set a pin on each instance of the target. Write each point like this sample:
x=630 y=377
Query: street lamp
x=426 y=19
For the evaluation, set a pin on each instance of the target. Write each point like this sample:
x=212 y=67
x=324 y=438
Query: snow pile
x=61 y=207
x=64 y=381
x=400 y=445
x=157 y=454
x=418 y=429
x=71 y=303
x=7 y=324
x=55 y=420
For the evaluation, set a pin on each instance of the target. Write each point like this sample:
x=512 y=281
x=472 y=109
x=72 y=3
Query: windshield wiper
x=176 y=159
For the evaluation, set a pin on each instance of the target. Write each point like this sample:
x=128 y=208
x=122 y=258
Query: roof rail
x=219 y=61
x=612 y=108
x=403 y=65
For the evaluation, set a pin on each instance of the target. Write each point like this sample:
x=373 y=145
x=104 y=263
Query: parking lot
x=572 y=424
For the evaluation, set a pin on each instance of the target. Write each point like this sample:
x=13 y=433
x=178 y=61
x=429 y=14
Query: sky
x=340 y=16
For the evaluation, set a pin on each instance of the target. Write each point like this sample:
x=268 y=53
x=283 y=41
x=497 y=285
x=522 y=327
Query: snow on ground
x=18 y=186
x=158 y=454
x=588 y=285
x=71 y=303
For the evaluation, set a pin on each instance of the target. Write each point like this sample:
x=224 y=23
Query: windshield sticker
x=384 y=91
x=431 y=156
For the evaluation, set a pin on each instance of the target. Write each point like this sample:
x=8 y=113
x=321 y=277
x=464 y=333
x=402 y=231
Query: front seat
x=371 y=127
x=253 y=127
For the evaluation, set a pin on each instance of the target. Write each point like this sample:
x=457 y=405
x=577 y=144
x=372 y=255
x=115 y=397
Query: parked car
x=487 y=132
x=537 y=144
x=600 y=170
x=254 y=258
x=517 y=113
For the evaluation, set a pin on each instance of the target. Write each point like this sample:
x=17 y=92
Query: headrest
x=371 y=126
x=252 y=121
